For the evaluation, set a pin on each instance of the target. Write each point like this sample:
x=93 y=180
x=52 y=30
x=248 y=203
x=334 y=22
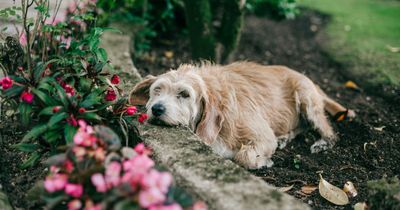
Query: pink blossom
x=22 y=39
x=110 y=95
x=83 y=138
x=69 y=90
x=74 y=190
x=133 y=179
x=131 y=110
x=69 y=166
x=99 y=182
x=141 y=149
x=199 y=205
x=166 y=207
x=155 y=179
x=115 y=79
x=113 y=174
x=150 y=197
x=72 y=7
x=143 y=117
x=74 y=205
x=55 y=182
x=27 y=97
x=99 y=154
x=6 y=83
x=164 y=181
x=138 y=163
x=79 y=152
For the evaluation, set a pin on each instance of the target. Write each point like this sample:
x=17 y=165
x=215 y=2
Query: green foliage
x=59 y=79
x=153 y=19
x=384 y=193
x=274 y=8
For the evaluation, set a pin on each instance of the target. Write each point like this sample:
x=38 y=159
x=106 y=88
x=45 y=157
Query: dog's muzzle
x=158 y=109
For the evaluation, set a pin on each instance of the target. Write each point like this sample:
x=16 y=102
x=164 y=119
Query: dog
x=242 y=110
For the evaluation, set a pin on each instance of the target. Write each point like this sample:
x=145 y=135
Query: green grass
x=359 y=34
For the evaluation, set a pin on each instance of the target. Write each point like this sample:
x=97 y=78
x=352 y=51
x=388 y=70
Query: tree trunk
x=199 y=20
x=231 y=25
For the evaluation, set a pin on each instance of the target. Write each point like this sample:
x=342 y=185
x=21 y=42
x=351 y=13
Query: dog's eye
x=183 y=94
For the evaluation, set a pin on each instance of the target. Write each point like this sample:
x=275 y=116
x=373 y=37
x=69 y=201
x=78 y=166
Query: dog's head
x=180 y=97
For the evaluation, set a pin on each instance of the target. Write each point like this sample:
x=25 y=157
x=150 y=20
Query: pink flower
x=56 y=109
x=166 y=207
x=27 y=97
x=155 y=179
x=55 y=182
x=164 y=181
x=199 y=205
x=74 y=205
x=22 y=39
x=138 y=163
x=150 y=197
x=74 y=190
x=131 y=110
x=143 y=117
x=72 y=121
x=69 y=90
x=141 y=149
x=79 y=152
x=6 y=82
x=113 y=171
x=84 y=139
x=110 y=96
x=99 y=182
x=115 y=79
x=69 y=166
x=99 y=154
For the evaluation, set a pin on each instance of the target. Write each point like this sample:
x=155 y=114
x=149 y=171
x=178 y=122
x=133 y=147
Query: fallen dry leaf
x=332 y=193
x=352 y=85
x=360 y=206
x=379 y=128
x=169 y=54
x=285 y=189
x=308 y=189
x=393 y=49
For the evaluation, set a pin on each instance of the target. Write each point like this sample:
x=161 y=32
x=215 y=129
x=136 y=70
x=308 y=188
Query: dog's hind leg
x=312 y=105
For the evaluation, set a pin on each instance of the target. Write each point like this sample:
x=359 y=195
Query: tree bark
x=199 y=20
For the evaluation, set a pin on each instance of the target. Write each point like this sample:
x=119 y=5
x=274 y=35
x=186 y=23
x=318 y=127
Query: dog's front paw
x=320 y=145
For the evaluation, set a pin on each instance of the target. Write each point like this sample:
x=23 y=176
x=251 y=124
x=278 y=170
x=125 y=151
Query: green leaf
x=14 y=91
x=91 y=116
x=126 y=205
x=25 y=112
x=69 y=132
x=35 y=132
x=91 y=99
x=24 y=147
x=49 y=101
x=38 y=70
x=48 y=111
x=52 y=136
x=32 y=160
x=102 y=55
x=61 y=93
x=57 y=118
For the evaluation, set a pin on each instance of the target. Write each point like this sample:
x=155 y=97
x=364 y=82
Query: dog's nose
x=158 y=109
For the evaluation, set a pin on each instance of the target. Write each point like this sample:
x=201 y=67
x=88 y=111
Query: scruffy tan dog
x=242 y=110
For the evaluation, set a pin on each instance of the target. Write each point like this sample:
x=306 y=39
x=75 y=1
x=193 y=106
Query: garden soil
x=369 y=145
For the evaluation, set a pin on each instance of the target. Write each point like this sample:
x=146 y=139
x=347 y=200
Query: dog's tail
x=334 y=108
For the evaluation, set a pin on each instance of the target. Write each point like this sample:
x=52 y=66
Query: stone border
x=222 y=184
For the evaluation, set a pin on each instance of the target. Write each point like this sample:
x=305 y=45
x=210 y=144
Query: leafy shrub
x=274 y=8
x=55 y=75
x=96 y=173
x=153 y=19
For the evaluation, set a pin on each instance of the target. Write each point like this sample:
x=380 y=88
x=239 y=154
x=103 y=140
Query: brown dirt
x=362 y=153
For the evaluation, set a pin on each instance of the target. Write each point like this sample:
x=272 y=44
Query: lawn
x=360 y=35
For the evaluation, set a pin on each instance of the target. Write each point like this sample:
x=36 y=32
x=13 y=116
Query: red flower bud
x=27 y=97
x=110 y=96
x=131 y=110
x=56 y=109
x=115 y=79
x=72 y=121
x=142 y=117
x=6 y=83
x=69 y=90
x=82 y=110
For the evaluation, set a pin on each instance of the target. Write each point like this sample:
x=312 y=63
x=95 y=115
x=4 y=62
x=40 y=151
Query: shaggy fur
x=242 y=110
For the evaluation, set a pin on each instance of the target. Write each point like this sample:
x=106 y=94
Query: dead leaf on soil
x=352 y=85
x=332 y=193
x=285 y=189
x=360 y=206
x=379 y=128
x=308 y=189
x=393 y=49
x=169 y=54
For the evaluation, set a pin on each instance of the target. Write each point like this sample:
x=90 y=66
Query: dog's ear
x=140 y=93
x=211 y=121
